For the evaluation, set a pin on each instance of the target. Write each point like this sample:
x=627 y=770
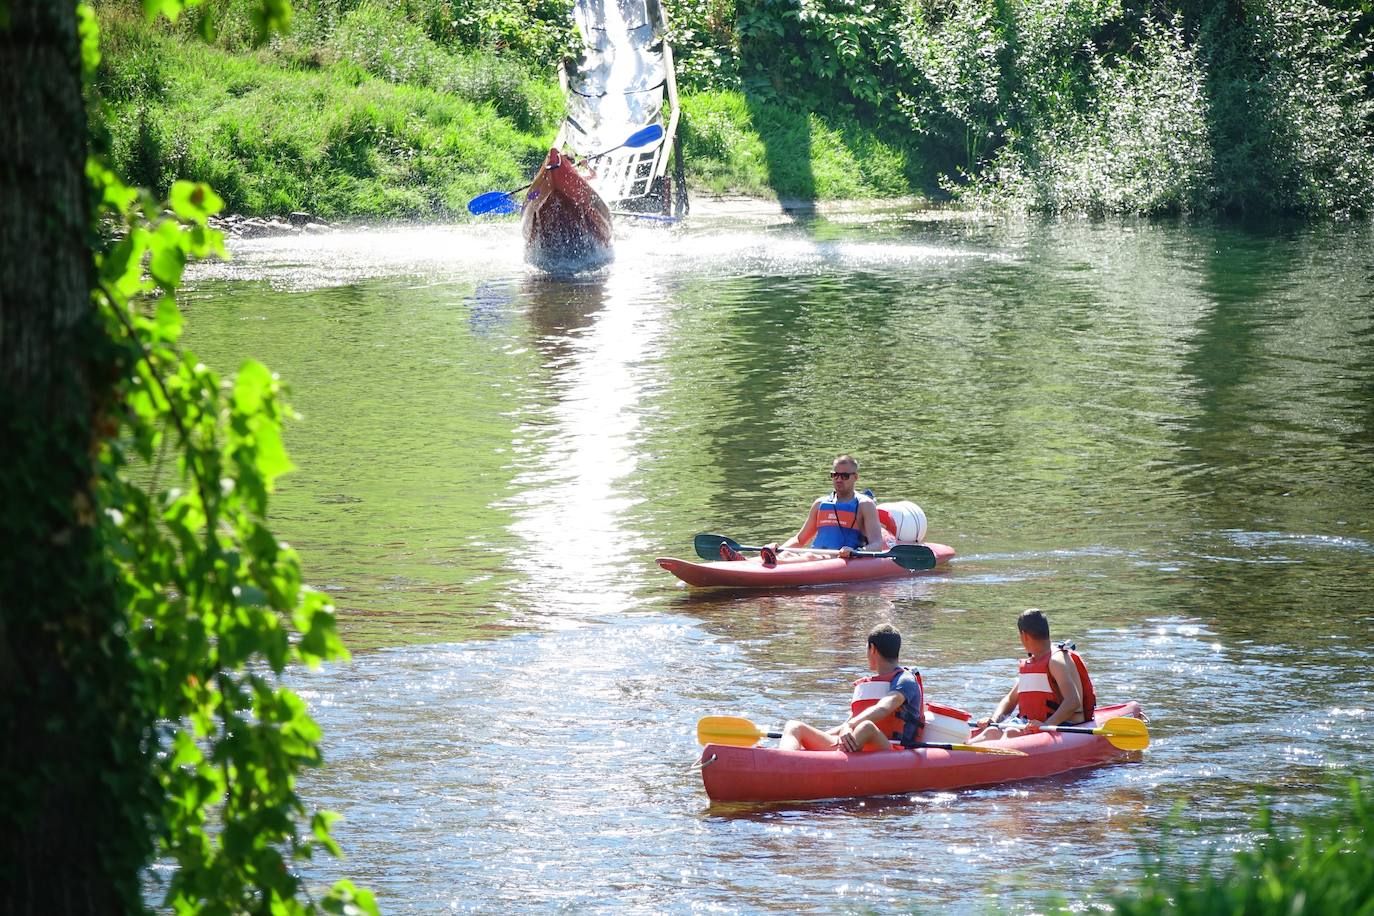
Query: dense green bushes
x=1324 y=866
x=1081 y=105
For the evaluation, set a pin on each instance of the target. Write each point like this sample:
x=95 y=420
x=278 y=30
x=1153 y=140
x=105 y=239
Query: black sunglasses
x=843 y=475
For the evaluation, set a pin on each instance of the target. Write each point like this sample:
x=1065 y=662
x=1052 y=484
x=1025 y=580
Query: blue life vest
x=837 y=524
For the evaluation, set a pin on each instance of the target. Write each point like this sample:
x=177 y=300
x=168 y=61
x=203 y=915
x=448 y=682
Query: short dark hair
x=886 y=640
x=1034 y=623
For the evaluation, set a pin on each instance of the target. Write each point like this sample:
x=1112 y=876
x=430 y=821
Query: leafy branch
x=216 y=607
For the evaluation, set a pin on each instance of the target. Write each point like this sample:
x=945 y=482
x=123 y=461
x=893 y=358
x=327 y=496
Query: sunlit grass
x=765 y=149
x=334 y=141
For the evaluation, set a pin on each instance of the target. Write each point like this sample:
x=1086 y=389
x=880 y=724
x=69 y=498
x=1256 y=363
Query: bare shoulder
x=1059 y=662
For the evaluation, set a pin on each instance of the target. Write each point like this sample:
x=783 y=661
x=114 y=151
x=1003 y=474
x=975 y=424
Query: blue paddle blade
x=647 y=135
x=497 y=202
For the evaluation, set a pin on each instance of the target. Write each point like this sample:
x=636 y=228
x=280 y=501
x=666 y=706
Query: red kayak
x=761 y=774
x=567 y=226
x=751 y=573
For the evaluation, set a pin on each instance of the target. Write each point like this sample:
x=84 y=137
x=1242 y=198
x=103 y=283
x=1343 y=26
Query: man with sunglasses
x=845 y=520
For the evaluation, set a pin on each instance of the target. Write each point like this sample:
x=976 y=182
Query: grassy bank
x=1322 y=865
x=275 y=130
x=734 y=146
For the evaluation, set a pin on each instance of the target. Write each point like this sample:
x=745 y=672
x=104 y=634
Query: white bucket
x=909 y=519
x=944 y=728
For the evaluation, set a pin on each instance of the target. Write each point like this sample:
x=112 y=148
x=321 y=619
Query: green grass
x=273 y=135
x=737 y=146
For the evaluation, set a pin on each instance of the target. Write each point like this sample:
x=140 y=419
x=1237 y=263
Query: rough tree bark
x=74 y=795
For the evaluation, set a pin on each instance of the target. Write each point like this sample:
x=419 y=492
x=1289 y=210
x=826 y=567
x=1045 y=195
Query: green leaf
x=169 y=8
x=272 y=460
x=194 y=201
x=270 y=16
x=168 y=260
x=168 y=320
x=184 y=751
x=87 y=27
x=252 y=387
x=347 y=900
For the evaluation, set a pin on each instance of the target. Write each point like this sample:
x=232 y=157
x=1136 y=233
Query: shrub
x=1325 y=865
x=1142 y=146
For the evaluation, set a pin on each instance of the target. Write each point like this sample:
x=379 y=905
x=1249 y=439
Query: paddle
x=1124 y=732
x=651 y=216
x=642 y=137
x=908 y=556
x=499 y=202
x=740 y=732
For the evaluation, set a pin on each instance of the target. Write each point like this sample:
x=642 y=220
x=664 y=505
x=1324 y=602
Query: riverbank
x=373 y=112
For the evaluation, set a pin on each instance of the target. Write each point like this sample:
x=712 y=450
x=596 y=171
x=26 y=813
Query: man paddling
x=845 y=520
x=887 y=706
x=1052 y=686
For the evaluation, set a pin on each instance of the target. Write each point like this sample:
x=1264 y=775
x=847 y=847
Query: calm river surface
x=1163 y=435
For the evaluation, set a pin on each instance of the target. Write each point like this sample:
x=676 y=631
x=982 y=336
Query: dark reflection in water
x=1162 y=434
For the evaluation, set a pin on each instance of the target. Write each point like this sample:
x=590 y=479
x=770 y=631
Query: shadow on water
x=1261 y=563
x=558 y=309
x=822 y=631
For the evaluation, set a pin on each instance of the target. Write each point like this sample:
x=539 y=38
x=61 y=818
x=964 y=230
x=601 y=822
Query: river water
x=1161 y=434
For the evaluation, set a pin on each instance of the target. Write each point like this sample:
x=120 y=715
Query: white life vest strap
x=871 y=690
x=1034 y=683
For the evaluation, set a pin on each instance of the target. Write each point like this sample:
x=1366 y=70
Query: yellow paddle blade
x=1126 y=733
x=732 y=730
x=984 y=749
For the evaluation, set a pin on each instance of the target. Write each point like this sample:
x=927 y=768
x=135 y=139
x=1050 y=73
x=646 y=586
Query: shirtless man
x=1052 y=686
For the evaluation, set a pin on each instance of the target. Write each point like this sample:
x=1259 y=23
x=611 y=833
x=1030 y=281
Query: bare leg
x=991 y=733
x=798 y=736
x=870 y=738
x=994 y=732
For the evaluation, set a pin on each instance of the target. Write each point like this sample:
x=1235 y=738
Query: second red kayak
x=765 y=774
x=751 y=573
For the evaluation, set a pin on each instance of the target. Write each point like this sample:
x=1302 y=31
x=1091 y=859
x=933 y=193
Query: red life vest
x=1038 y=694
x=869 y=690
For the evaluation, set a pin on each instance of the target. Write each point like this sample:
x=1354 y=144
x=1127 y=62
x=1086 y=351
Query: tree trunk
x=73 y=774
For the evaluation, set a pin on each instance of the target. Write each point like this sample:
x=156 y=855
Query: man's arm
x=885 y=707
x=870 y=526
x=1007 y=704
x=807 y=532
